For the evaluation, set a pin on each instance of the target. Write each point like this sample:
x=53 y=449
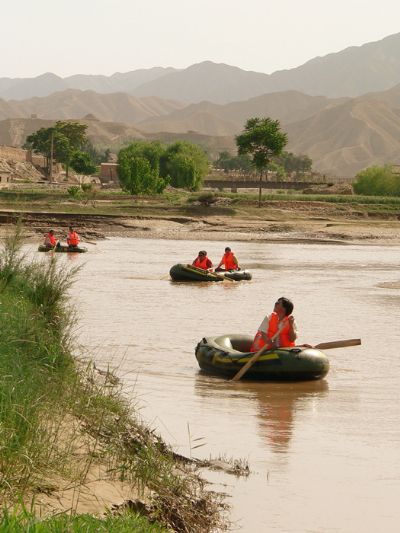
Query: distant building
x=109 y=173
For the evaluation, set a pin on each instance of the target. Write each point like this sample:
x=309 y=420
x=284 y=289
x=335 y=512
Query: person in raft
x=228 y=260
x=50 y=241
x=282 y=320
x=202 y=261
x=72 y=238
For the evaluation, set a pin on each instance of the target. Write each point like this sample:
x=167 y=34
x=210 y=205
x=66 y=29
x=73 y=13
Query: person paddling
x=202 y=261
x=72 y=238
x=229 y=261
x=280 y=320
x=50 y=241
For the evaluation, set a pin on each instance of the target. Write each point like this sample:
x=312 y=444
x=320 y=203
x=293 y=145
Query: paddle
x=202 y=271
x=321 y=346
x=337 y=344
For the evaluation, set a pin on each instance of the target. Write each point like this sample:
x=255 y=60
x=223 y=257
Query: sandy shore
x=279 y=227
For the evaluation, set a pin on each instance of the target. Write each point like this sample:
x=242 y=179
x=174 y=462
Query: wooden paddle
x=337 y=344
x=202 y=271
x=322 y=346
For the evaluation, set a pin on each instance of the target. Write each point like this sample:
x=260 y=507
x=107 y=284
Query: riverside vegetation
x=60 y=421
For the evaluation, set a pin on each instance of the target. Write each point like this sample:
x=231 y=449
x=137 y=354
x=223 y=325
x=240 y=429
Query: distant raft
x=227 y=354
x=182 y=272
x=63 y=249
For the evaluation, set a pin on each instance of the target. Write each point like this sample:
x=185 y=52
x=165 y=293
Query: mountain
x=74 y=104
x=351 y=72
x=349 y=137
x=214 y=82
x=229 y=119
x=46 y=84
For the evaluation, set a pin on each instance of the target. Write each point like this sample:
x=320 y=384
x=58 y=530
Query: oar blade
x=338 y=344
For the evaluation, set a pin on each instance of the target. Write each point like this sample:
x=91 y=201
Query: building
x=109 y=173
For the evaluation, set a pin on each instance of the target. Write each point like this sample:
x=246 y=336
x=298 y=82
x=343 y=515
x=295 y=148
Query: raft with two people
x=63 y=248
x=228 y=355
x=181 y=272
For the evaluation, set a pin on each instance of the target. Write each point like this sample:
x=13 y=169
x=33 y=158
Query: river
x=324 y=456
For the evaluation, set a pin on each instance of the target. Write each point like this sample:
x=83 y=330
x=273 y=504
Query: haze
x=104 y=36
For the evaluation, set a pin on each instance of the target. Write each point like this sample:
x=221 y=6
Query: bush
x=377 y=181
x=74 y=191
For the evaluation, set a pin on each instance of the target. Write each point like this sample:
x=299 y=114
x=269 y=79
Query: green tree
x=138 y=168
x=263 y=139
x=186 y=164
x=377 y=181
x=82 y=163
x=58 y=142
x=294 y=163
x=229 y=162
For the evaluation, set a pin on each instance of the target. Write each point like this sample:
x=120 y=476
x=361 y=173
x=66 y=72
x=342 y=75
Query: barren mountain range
x=326 y=106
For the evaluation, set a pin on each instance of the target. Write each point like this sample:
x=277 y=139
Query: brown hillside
x=349 y=137
x=229 y=119
x=74 y=104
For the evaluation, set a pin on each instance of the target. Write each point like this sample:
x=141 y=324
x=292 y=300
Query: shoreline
x=285 y=229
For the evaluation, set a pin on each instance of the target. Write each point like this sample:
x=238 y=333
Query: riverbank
x=180 y=216
x=73 y=449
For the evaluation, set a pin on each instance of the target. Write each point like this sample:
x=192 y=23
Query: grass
x=21 y=519
x=116 y=202
x=59 y=418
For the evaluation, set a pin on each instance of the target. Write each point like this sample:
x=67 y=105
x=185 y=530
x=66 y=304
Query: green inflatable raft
x=227 y=354
x=63 y=248
x=182 y=272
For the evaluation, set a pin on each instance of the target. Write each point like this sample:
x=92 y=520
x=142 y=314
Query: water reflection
x=276 y=403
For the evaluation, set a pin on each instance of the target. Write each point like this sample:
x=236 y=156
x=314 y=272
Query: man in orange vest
x=50 y=241
x=228 y=260
x=72 y=238
x=202 y=261
x=280 y=320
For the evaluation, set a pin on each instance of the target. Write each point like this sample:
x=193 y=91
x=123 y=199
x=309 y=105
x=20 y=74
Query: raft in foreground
x=182 y=272
x=63 y=248
x=227 y=354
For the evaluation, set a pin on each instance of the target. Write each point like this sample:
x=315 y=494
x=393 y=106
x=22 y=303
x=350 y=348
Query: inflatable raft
x=63 y=248
x=227 y=354
x=182 y=272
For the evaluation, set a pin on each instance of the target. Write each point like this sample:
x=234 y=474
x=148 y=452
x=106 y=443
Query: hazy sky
x=106 y=36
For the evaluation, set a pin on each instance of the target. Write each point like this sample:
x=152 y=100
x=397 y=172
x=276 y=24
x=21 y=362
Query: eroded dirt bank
x=276 y=226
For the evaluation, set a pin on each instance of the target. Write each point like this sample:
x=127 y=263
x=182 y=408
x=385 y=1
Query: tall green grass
x=52 y=407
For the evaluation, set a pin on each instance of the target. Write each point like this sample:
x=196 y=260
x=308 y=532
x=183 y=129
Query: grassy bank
x=65 y=429
x=183 y=203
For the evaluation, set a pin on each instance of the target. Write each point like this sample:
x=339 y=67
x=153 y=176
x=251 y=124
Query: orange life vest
x=204 y=263
x=50 y=240
x=273 y=326
x=228 y=261
x=73 y=238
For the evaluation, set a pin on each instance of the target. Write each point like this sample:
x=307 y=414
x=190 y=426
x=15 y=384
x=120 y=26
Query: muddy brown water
x=325 y=455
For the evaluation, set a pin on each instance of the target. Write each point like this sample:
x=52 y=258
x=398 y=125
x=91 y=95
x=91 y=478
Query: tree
x=82 y=163
x=377 y=181
x=295 y=163
x=186 y=164
x=229 y=162
x=263 y=139
x=138 y=168
x=59 y=141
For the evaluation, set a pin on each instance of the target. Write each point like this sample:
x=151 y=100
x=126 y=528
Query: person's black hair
x=286 y=304
x=227 y=249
